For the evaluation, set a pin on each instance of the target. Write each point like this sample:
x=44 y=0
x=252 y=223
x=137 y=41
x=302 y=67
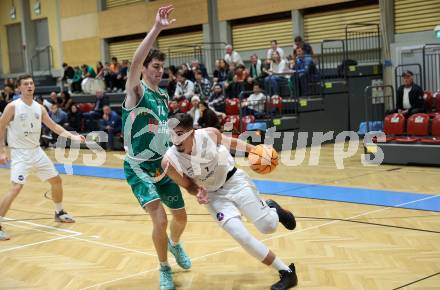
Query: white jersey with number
x=209 y=163
x=25 y=129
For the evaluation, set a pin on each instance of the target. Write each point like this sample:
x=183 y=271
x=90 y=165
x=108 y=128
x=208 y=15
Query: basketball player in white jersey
x=23 y=118
x=200 y=162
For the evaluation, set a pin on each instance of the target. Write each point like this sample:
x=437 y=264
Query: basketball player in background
x=23 y=118
x=200 y=162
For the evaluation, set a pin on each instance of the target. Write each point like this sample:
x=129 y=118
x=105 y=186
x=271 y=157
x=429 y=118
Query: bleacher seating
x=435 y=132
x=245 y=120
x=394 y=125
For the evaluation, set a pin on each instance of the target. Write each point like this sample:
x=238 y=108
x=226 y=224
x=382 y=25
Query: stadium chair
x=276 y=104
x=246 y=120
x=184 y=106
x=428 y=101
x=435 y=138
x=394 y=125
x=418 y=125
x=85 y=107
x=436 y=103
x=232 y=106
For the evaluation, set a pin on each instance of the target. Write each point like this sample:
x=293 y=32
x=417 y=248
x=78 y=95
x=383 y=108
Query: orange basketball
x=263 y=159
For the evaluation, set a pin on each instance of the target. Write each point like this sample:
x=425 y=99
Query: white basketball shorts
x=237 y=196
x=27 y=161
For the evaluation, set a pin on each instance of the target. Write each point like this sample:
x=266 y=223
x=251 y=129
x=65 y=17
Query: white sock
x=173 y=243
x=164 y=264
x=278 y=264
x=58 y=206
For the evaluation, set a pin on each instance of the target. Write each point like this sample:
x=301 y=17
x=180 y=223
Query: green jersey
x=145 y=128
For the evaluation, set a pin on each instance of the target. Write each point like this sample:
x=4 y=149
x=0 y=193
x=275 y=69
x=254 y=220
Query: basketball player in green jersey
x=146 y=139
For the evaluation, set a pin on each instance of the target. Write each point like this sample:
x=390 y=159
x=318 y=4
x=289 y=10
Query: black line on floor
x=205 y=214
x=416 y=281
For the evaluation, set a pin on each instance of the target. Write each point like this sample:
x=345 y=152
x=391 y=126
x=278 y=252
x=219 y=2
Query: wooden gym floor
x=336 y=245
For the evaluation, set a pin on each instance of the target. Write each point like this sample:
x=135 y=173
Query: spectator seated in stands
x=217 y=99
x=255 y=103
x=121 y=78
x=221 y=71
x=189 y=74
x=58 y=115
x=208 y=117
x=173 y=108
x=255 y=69
x=195 y=112
x=305 y=72
x=274 y=47
x=10 y=83
x=172 y=82
x=73 y=119
x=273 y=80
x=66 y=101
x=202 y=86
x=114 y=71
x=409 y=96
x=68 y=75
x=307 y=48
x=77 y=80
x=196 y=65
x=7 y=94
x=101 y=101
x=53 y=99
x=88 y=76
x=184 y=87
x=238 y=82
x=111 y=124
x=49 y=138
x=231 y=56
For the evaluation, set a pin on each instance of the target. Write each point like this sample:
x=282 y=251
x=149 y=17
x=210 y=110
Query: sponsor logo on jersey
x=220 y=216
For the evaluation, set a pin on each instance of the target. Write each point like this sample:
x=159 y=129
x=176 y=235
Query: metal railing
x=377 y=103
x=431 y=67
x=363 y=43
x=36 y=59
x=331 y=60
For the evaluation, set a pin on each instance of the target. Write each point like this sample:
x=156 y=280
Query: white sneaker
x=64 y=217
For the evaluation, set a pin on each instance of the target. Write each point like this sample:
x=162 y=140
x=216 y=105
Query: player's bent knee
x=267 y=225
x=179 y=215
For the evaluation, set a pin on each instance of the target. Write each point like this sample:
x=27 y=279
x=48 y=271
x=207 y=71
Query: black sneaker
x=286 y=217
x=287 y=279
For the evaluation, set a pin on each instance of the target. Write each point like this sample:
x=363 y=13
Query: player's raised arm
x=133 y=80
x=8 y=116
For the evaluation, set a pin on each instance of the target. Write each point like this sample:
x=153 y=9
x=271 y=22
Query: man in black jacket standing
x=409 y=96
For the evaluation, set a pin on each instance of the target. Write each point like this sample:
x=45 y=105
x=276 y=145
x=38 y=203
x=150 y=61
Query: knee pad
x=268 y=224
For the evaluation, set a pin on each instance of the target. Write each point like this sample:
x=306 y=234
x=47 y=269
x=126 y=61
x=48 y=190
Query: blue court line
x=302 y=190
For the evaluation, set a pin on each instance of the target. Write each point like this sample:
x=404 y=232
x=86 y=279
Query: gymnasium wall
x=5 y=20
x=232 y=9
x=79 y=26
x=49 y=11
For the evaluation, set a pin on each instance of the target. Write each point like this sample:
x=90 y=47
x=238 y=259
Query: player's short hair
x=154 y=53
x=184 y=120
x=22 y=77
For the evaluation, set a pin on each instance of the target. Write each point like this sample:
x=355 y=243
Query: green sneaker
x=3 y=235
x=166 y=278
x=182 y=258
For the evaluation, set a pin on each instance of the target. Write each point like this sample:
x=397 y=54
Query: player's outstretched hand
x=163 y=17
x=79 y=138
x=3 y=158
x=202 y=195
